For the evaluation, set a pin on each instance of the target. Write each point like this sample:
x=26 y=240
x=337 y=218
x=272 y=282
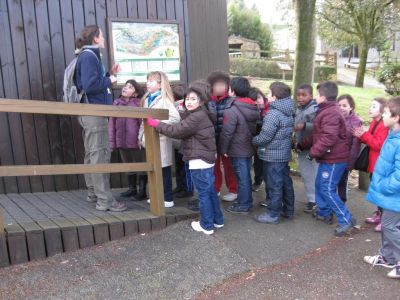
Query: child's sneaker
x=343 y=230
x=115 y=206
x=327 y=219
x=395 y=273
x=378 y=260
x=197 y=227
x=256 y=187
x=310 y=207
x=236 y=209
x=266 y=218
x=374 y=219
x=218 y=225
x=230 y=197
x=378 y=228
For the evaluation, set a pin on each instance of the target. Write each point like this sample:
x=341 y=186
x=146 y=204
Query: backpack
x=70 y=91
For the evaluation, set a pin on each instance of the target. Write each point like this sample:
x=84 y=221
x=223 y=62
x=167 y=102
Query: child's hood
x=247 y=107
x=284 y=105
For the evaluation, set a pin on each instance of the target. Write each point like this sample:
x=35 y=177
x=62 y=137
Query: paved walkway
x=298 y=259
x=348 y=76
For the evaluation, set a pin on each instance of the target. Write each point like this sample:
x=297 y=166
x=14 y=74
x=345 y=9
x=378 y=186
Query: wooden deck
x=38 y=225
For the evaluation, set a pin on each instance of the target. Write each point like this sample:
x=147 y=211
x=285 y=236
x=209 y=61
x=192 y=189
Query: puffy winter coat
x=196 y=130
x=375 y=142
x=239 y=127
x=124 y=132
x=275 y=139
x=328 y=142
x=384 y=190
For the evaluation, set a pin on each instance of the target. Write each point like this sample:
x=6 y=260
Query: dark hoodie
x=239 y=126
x=196 y=130
x=275 y=139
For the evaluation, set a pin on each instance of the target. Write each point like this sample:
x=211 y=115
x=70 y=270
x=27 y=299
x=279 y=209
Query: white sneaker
x=197 y=227
x=395 y=273
x=168 y=204
x=229 y=197
x=218 y=225
x=378 y=260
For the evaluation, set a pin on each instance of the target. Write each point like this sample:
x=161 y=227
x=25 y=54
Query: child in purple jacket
x=347 y=106
x=123 y=136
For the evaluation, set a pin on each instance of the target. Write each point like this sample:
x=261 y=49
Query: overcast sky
x=270 y=10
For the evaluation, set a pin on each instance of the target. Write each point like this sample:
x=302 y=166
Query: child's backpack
x=70 y=91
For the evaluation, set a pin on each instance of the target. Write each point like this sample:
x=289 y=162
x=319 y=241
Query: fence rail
x=153 y=159
x=286 y=56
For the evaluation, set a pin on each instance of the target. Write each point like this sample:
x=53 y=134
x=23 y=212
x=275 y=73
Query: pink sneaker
x=374 y=219
x=378 y=228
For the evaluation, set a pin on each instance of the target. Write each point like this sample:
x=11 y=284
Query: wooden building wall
x=37 y=42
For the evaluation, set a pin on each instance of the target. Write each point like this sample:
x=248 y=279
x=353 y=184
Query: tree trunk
x=362 y=64
x=305 y=46
x=350 y=54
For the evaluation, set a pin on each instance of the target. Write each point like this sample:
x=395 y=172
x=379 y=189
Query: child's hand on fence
x=153 y=122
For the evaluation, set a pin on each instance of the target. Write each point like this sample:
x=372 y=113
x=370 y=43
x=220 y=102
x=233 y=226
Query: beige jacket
x=165 y=142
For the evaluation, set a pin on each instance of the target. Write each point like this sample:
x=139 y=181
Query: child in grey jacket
x=303 y=127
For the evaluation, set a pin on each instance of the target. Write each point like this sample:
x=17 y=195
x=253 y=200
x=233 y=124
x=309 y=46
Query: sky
x=271 y=10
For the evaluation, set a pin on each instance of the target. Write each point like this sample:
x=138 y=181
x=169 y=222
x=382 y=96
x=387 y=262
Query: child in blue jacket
x=384 y=192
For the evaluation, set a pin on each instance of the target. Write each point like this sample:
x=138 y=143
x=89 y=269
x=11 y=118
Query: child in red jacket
x=374 y=139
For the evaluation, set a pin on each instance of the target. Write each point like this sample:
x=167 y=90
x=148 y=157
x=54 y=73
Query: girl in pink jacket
x=123 y=136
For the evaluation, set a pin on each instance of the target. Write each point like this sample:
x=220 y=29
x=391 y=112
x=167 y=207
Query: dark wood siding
x=38 y=42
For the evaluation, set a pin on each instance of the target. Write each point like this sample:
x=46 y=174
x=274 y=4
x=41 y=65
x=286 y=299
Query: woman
x=91 y=78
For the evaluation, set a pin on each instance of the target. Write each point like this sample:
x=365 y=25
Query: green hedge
x=389 y=75
x=269 y=69
x=322 y=73
x=256 y=68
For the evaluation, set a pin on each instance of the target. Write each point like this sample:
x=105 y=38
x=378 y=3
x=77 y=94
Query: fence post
x=1 y=222
x=156 y=189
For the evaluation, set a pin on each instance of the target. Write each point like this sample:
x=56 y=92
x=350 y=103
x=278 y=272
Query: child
x=219 y=83
x=303 y=127
x=374 y=139
x=384 y=192
x=240 y=120
x=184 y=185
x=159 y=95
x=256 y=95
x=123 y=135
x=275 y=150
x=329 y=145
x=199 y=149
x=347 y=106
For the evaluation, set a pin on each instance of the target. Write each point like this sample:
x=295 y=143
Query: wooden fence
x=153 y=159
x=286 y=56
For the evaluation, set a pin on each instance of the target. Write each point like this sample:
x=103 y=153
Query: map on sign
x=143 y=47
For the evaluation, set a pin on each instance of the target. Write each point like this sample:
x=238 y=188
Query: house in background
x=240 y=46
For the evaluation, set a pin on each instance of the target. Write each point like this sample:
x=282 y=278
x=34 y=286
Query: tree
x=305 y=42
x=365 y=23
x=247 y=23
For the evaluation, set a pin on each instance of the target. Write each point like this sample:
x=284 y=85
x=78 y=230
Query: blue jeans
x=210 y=211
x=279 y=187
x=167 y=183
x=241 y=166
x=328 y=201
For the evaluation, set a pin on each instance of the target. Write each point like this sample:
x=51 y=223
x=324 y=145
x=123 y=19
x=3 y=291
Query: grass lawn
x=362 y=96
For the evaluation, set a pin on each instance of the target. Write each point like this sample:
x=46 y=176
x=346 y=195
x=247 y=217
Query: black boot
x=132 y=190
x=141 y=194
